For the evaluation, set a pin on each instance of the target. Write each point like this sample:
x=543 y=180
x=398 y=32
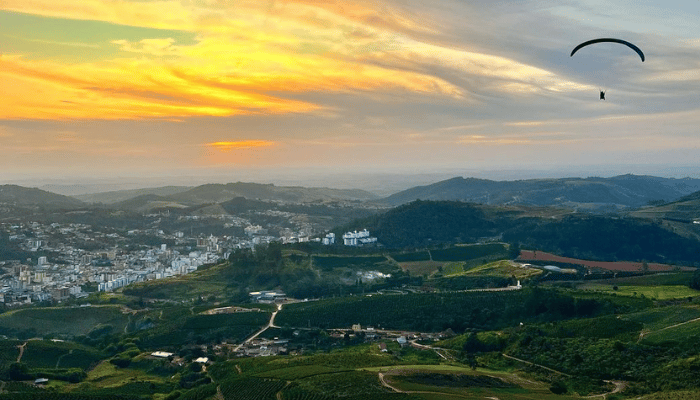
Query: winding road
x=270 y=324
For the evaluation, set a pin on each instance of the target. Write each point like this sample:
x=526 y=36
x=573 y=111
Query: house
x=161 y=354
x=267 y=296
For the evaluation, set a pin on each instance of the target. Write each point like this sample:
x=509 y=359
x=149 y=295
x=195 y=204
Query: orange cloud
x=241 y=144
x=250 y=57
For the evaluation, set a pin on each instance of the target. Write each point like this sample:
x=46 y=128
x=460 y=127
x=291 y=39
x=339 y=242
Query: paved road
x=270 y=324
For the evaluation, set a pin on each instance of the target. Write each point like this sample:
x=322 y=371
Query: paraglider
x=611 y=40
x=608 y=40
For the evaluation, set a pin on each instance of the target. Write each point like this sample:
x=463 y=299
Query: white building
x=358 y=238
x=329 y=239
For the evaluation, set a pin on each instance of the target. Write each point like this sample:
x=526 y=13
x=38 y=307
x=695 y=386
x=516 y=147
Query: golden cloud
x=250 y=57
x=241 y=144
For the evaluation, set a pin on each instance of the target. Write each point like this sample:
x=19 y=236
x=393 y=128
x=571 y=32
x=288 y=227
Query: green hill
x=594 y=237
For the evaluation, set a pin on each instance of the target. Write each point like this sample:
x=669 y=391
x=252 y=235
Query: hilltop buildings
x=358 y=238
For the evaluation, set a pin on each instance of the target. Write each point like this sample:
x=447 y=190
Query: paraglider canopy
x=611 y=40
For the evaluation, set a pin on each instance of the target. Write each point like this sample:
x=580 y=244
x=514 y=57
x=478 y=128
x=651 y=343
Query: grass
x=675 y=395
x=421 y=268
x=673 y=278
x=658 y=292
x=106 y=375
x=503 y=268
x=680 y=333
x=659 y=318
x=523 y=388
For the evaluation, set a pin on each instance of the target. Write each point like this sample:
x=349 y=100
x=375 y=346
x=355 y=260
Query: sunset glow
x=240 y=145
x=314 y=83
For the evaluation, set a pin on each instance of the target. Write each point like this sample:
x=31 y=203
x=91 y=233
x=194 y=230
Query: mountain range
x=582 y=194
x=585 y=193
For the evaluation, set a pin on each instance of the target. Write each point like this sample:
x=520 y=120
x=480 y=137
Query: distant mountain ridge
x=117 y=196
x=22 y=197
x=216 y=193
x=220 y=193
x=619 y=191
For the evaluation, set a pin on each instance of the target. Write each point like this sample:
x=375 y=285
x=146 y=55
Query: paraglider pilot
x=602 y=95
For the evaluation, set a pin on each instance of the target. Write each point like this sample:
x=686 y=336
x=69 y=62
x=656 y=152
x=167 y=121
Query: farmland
x=527 y=255
x=445 y=382
x=639 y=329
x=660 y=292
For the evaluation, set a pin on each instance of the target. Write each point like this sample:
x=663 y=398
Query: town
x=72 y=259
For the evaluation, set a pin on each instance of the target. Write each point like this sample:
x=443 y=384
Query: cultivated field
x=528 y=255
x=661 y=292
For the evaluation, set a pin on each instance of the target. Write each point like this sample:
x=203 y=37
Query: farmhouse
x=267 y=296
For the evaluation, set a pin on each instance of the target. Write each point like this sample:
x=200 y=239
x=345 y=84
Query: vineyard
x=438 y=311
x=251 y=389
x=53 y=354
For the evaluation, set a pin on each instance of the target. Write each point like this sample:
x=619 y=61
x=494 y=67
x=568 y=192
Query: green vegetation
x=470 y=252
x=438 y=312
x=177 y=328
x=422 y=224
x=61 y=321
x=376 y=263
x=661 y=292
x=642 y=330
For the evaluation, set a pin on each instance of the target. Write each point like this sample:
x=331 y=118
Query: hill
x=116 y=196
x=20 y=196
x=678 y=215
x=584 y=193
x=145 y=200
x=147 y=203
x=217 y=193
x=592 y=237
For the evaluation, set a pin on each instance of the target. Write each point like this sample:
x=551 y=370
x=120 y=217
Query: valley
x=453 y=300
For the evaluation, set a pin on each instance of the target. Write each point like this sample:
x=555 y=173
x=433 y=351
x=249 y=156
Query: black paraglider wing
x=612 y=40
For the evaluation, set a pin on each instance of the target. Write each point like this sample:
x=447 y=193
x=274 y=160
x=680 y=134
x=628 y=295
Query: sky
x=109 y=88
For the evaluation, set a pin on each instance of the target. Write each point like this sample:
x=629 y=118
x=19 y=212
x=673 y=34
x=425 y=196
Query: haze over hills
x=215 y=193
x=23 y=196
x=619 y=191
x=121 y=195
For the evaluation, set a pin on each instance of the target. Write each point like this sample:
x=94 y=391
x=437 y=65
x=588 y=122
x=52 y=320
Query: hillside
x=433 y=223
x=678 y=215
x=581 y=193
x=14 y=195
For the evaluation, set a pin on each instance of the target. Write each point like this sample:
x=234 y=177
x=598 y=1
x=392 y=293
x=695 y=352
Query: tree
x=695 y=280
x=558 y=387
x=513 y=251
x=19 y=371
